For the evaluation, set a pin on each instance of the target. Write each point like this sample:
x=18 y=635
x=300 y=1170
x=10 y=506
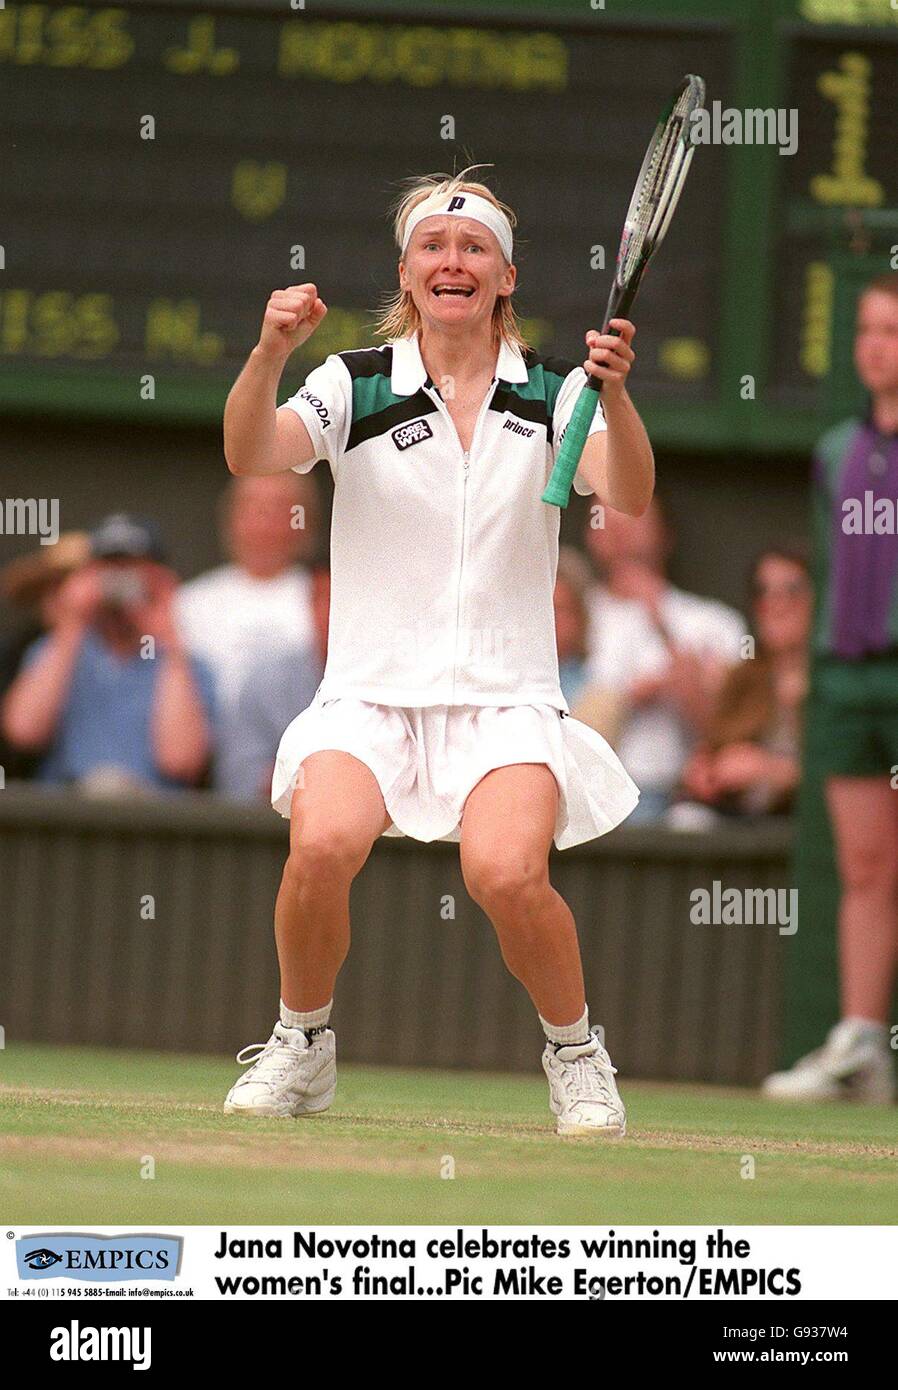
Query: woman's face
x=876 y=342
x=782 y=603
x=455 y=270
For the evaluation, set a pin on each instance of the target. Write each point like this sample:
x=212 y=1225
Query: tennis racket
x=655 y=196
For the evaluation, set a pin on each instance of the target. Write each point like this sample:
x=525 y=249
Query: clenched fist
x=291 y=316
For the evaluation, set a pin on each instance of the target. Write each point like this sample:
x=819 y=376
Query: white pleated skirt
x=427 y=760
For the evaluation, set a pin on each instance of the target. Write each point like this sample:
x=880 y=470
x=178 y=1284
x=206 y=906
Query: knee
x=508 y=880
x=324 y=857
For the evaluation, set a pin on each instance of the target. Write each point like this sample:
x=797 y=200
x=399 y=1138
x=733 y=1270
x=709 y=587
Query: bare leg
x=864 y=815
x=335 y=817
x=506 y=832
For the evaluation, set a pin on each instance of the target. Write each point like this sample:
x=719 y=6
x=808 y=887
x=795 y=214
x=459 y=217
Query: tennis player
x=440 y=714
x=853 y=728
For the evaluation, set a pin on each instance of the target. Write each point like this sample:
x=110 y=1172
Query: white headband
x=463 y=205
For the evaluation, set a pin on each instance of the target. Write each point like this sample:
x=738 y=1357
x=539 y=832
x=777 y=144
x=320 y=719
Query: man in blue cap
x=109 y=696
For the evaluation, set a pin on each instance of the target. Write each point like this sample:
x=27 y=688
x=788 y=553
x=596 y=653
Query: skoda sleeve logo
x=318 y=406
x=412 y=433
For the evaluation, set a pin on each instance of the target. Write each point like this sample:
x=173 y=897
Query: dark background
x=128 y=258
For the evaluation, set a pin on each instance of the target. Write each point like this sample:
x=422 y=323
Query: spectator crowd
x=120 y=677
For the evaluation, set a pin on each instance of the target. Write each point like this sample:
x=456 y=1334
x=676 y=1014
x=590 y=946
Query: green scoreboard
x=166 y=165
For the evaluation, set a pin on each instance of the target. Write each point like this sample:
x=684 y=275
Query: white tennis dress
x=441 y=659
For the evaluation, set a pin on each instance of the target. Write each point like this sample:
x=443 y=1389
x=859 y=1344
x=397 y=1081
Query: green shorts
x=853 y=716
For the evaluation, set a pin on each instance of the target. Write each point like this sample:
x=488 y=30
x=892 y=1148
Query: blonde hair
x=399 y=317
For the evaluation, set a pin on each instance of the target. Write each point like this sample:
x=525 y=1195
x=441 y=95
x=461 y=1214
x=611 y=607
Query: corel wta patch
x=412 y=433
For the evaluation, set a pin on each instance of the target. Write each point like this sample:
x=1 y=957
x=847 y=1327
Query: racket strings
x=660 y=184
x=659 y=175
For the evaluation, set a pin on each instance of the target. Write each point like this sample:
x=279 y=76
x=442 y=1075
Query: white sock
x=569 y=1033
x=311 y=1023
x=869 y=1028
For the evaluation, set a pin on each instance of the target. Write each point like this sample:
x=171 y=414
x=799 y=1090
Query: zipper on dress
x=466 y=463
x=461 y=561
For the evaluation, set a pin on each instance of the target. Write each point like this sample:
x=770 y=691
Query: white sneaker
x=582 y=1092
x=289 y=1075
x=855 y=1063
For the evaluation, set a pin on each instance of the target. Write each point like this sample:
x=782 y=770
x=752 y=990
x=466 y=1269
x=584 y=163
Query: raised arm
x=180 y=732
x=258 y=438
x=619 y=462
x=30 y=712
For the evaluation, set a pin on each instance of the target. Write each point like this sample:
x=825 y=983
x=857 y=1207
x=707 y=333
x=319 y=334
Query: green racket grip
x=561 y=480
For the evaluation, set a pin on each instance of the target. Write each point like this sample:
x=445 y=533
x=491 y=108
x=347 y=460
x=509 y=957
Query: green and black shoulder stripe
x=535 y=399
x=376 y=409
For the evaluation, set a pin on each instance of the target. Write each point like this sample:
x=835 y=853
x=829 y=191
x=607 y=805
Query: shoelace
x=588 y=1076
x=259 y=1052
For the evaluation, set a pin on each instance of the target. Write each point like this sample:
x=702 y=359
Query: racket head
x=658 y=185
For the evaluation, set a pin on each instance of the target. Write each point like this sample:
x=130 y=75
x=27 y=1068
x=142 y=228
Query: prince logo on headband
x=466 y=205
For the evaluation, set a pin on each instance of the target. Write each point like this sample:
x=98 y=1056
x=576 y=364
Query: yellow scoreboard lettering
x=541 y=60
x=173 y=331
x=57 y=324
x=463 y=49
x=66 y=325
x=70 y=37
x=111 y=44
x=99 y=331
x=849 y=11
x=817 y=319
x=684 y=359
x=345 y=52
x=14 y=321
x=201 y=53
x=537 y=332
x=7 y=35
x=29 y=22
x=54 y=328
x=422 y=55
x=848 y=185
x=258 y=190
x=341 y=329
